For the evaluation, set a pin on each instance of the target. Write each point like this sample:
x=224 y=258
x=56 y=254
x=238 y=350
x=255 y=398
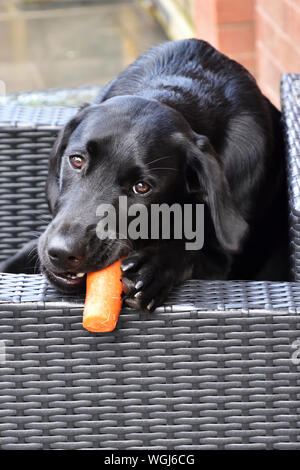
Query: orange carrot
x=103 y=299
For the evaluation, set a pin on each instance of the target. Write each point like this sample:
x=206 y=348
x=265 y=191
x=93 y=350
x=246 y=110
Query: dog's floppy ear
x=205 y=175
x=52 y=185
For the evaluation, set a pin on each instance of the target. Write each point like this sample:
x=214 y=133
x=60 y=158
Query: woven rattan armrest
x=216 y=367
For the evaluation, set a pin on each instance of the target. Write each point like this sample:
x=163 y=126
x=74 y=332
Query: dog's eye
x=77 y=161
x=141 y=188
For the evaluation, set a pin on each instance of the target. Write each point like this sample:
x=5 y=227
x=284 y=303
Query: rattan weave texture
x=184 y=380
x=26 y=137
x=290 y=98
x=215 y=368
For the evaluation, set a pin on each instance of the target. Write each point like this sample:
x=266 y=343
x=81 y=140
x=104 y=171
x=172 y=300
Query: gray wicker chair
x=215 y=368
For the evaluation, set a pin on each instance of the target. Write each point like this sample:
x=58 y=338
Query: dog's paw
x=147 y=279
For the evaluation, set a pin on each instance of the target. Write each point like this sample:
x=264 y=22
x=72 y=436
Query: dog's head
x=126 y=146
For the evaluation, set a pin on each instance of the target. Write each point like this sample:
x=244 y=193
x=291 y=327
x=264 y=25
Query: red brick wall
x=264 y=35
x=229 y=26
x=206 y=21
x=277 y=42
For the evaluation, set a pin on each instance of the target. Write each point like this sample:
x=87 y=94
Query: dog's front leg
x=24 y=261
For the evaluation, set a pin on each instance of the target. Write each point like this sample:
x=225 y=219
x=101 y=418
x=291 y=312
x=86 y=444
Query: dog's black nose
x=65 y=255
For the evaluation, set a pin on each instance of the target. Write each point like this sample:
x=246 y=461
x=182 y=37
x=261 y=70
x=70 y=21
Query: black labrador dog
x=182 y=124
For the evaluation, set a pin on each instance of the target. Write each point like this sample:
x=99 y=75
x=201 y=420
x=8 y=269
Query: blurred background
x=69 y=43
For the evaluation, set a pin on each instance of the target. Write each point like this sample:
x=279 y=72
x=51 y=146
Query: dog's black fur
x=193 y=124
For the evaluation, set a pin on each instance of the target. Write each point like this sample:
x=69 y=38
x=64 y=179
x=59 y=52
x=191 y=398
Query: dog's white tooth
x=80 y=274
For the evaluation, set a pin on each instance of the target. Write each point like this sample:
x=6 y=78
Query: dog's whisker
x=157 y=160
x=32 y=253
x=36 y=268
x=35 y=234
x=173 y=169
x=43 y=218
